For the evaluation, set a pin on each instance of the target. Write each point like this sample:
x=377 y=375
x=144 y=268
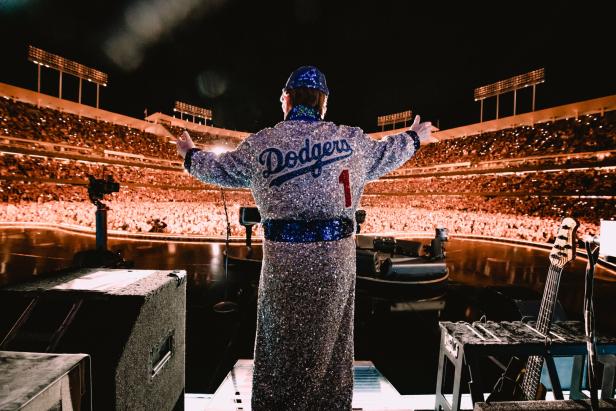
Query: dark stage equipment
x=249 y=217
x=360 y=218
x=566 y=405
x=227 y=306
x=100 y=256
x=463 y=345
x=96 y=191
x=131 y=322
x=437 y=248
x=38 y=381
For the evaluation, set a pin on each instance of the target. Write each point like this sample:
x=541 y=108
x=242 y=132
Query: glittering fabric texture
x=188 y=158
x=309 y=77
x=300 y=231
x=301 y=112
x=301 y=170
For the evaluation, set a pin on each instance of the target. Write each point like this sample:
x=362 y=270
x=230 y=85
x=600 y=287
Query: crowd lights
x=394 y=118
x=185 y=108
x=514 y=83
x=50 y=60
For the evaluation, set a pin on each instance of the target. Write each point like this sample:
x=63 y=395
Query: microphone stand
x=589 y=323
x=225 y=306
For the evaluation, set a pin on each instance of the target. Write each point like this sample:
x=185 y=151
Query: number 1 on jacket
x=344 y=180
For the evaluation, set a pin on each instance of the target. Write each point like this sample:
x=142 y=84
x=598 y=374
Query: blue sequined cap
x=309 y=77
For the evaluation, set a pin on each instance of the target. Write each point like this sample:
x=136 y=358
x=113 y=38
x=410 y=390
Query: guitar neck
x=532 y=375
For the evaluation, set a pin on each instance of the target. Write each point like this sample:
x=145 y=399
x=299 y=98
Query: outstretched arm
x=385 y=155
x=229 y=169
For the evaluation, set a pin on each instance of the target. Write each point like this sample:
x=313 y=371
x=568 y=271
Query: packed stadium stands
x=585 y=134
x=26 y=121
x=513 y=183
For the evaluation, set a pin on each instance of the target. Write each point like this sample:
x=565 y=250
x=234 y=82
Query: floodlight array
x=394 y=118
x=186 y=108
x=42 y=57
x=510 y=84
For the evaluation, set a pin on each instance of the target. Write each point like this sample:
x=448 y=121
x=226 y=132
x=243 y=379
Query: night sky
x=379 y=57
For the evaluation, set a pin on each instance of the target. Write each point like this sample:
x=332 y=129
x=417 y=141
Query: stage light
x=219 y=150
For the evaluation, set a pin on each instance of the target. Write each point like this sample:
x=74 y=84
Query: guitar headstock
x=563 y=250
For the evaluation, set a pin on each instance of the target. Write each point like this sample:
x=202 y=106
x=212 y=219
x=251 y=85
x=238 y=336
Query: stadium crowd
x=585 y=134
x=521 y=205
x=577 y=182
x=589 y=181
x=25 y=166
x=207 y=217
x=23 y=120
x=201 y=211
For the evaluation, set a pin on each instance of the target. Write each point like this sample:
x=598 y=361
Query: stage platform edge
x=371 y=391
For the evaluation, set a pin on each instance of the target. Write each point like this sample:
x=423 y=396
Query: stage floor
x=371 y=391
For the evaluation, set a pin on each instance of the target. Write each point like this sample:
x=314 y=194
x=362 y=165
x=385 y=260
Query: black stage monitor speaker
x=131 y=322
x=39 y=381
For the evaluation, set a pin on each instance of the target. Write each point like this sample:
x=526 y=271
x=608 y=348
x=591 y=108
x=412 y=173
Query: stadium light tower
x=194 y=111
x=394 y=118
x=511 y=84
x=53 y=61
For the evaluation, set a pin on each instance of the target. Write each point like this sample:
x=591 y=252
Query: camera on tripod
x=100 y=256
x=98 y=187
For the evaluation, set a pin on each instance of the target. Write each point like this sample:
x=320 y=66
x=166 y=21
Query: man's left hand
x=184 y=143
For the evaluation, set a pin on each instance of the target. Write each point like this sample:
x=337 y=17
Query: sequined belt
x=308 y=231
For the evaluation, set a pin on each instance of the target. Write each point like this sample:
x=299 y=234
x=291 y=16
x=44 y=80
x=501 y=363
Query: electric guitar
x=562 y=253
x=508 y=387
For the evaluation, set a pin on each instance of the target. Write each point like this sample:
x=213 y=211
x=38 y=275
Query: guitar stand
x=463 y=344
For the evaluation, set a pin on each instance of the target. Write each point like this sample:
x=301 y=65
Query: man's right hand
x=184 y=143
x=423 y=130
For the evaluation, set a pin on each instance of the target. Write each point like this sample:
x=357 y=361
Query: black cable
x=226 y=253
x=589 y=324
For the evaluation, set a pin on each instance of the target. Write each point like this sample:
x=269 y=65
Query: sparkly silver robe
x=303 y=352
